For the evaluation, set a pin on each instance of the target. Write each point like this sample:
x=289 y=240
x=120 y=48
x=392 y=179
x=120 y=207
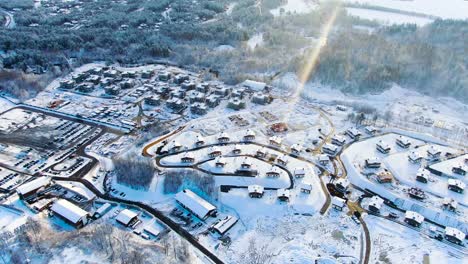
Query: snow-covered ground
x=294 y=6
x=394 y=243
x=447 y=9
x=387 y=18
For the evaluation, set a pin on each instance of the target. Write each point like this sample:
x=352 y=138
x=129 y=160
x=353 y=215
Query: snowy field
x=394 y=243
x=447 y=9
x=387 y=18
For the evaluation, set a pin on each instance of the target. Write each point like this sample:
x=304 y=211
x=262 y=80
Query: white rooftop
x=337 y=201
x=450 y=231
x=254 y=85
x=255 y=189
x=226 y=223
x=195 y=203
x=414 y=216
x=68 y=210
x=126 y=216
x=33 y=185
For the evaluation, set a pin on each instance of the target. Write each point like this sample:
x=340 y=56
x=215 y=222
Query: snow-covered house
x=283 y=195
x=30 y=188
x=306 y=187
x=246 y=164
x=372 y=162
x=261 y=153
x=454 y=235
x=449 y=204
x=456 y=185
x=152 y=100
x=353 y=133
x=200 y=141
x=127 y=217
x=213 y=100
x=220 y=162
x=282 y=160
x=330 y=149
x=223 y=138
x=338 y=203
x=414 y=219
x=225 y=224
x=236 y=104
x=175 y=103
x=274 y=172
x=338 y=140
x=275 y=141
x=342 y=185
x=433 y=153
x=254 y=86
x=370 y=130
x=255 y=191
x=323 y=159
x=422 y=175
x=188 y=157
x=236 y=149
x=175 y=146
x=261 y=98
x=375 y=204
x=383 y=147
x=164 y=76
x=415 y=157
x=214 y=152
x=299 y=172
x=384 y=177
x=249 y=135
x=71 y=213
x=198 y=108
x=102 y=210
x=296 y=149
x=195 y=204
x=403 y=142
x=460 y=169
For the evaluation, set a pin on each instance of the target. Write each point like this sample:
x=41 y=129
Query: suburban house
x=127 y=218
x=342 y=185
x=261 y=153
x=456 y=185
x=246 y=164
x=274 y=172
x=237 y=149
x=403 y=142
x=249 y=135
x=296 y=149
x=375 y=204
x=413 y=218
x=214 y=152
x=275 y=141
x=283 y=195
x=261 y=98
x=200 y=141
x=195 y=204
x=460 y=169
x=164 y=76
x=198 y=108
x=433 y=153
x=370 y=130
x=152 y=100
x=383 y=147
x=338 y=203
x=299 y=172
x=236 y=104
x=384 y=176
x=306 y=187
x=449 y=204
x=282 y=160
x=220 y=162
x=415 y=157
x=372 y=162
x=330 y=149
x=175 y=146
x=353 y=133
x=422 y=175
x=225 y=224
x=223 y=138
x=255 y=191
x=188 y=157
x=323 y=159
x=338 y=140
x=454 y=235
x=71 y=213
